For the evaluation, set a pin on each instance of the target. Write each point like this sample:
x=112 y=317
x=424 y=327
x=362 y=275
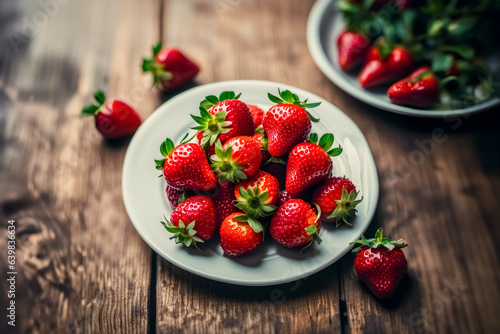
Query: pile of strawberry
x=431 y=53
x=247 y=173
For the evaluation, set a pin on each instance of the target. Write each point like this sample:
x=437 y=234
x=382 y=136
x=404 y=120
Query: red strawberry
x=352 y=48
x=285 y=196
x=113 y=120
x=194 y=220
x=419 y=90
x=287 y=123
x=238 y=237
x=224 y=200
x=257 y=194
x=309 y=163
x=385 y=66
x=185 y=166
x=277 y=168
x=176 y=196
x=227 y=117
x=261 y=139
x=257 y=114
x=295 y=224
x=336 y=197
x=380 y=263
x=171 y=69
x=237 y=160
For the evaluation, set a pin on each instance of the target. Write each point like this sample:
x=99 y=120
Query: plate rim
x=254 y=282
x=319 y=56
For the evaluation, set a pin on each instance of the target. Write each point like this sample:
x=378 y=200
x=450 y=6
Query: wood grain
x=81 y=266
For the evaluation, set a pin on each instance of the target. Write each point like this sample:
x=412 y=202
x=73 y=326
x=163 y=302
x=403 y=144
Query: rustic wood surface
x=82 y=267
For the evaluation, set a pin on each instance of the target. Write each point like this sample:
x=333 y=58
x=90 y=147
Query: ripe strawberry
x=295 y=224
x=171 y=69
x=309 y=163
x=238 y=236
x=261 y=139
x=352 y=48
x=176 y=196
x=287 y=123
x=419 y=90
x=385 y=65
x=336 y=198
x=237 y=160
x=185 y=166
x=380 y=263
x=276 y=168
x=194 y=220
x=224 y=200
x=284 y=196
x=257 y=195
x=227 y=117
x=257 y=114
x=113 y=120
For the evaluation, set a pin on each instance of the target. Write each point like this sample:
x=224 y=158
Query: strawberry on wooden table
x=380 y=263
x=385 y=65
x=309 y=163
x=419 y=90
x=336 y=198
x=237 y=160
x=114 y=119
x=295 y=223
x=194 y=220
x=224 y=200
x=287 y=123
x=185 y=166
x=222 y=118
x=352 y=48
x=238 y=236
x=171 y=69
x=257 y=195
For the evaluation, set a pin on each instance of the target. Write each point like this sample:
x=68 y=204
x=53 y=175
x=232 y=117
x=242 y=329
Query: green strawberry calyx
x=326 y=142
x=224 y=164
x=287 y=96
x=183 y=234
x=254 y=224
x=346 y=207
x=157 y=69
x=378 y=241
x=253 y=202
x=212 y=126
x=93 y=109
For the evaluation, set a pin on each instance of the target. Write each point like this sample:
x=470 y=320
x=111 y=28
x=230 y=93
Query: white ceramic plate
x=323 y=27
x=146 y=203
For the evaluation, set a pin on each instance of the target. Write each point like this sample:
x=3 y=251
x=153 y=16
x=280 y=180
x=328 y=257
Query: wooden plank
x=234 y=40
x=81 y=265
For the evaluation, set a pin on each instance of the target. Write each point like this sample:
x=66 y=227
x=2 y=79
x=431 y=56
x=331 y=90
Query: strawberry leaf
x=313 y=138
x=255 y=225
x=89 y=110
x=274 y=99
x=100 y=97
x=160 y=164
x=156 y=49
x=326 y=141
x=335 y=151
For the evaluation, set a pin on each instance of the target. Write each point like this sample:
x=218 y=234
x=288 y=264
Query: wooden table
x=82 y=267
